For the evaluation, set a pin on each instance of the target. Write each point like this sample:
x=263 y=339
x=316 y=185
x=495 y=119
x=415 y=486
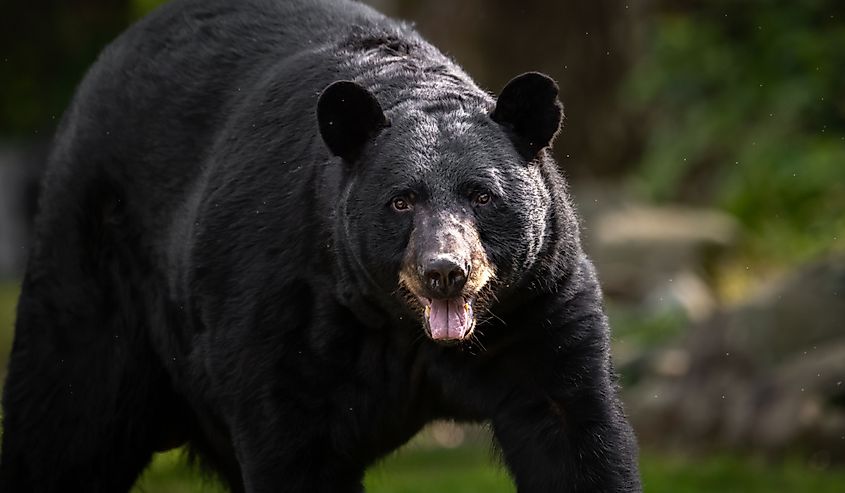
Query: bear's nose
x=444 y=277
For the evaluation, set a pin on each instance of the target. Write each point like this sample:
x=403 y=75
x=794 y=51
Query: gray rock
x=639 y=249
x=766 y=375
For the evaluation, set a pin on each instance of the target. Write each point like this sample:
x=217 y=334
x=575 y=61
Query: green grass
x=170 y=473
x=735 y=474
x=471 y=469
x=423 y=467
x=461 y=470
x=8 y=302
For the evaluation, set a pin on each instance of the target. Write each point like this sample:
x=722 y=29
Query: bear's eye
x=481 y=198
x=400 y=204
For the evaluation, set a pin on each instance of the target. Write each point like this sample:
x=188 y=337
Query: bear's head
x=443 y=207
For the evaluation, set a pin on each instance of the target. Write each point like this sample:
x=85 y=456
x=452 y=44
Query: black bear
x=290 y=234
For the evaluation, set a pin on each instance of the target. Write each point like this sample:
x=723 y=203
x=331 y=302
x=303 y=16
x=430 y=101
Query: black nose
x=444 y=277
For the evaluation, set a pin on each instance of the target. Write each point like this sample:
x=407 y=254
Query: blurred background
x=705 y=146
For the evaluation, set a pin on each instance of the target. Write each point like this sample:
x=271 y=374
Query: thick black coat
x=216 y=263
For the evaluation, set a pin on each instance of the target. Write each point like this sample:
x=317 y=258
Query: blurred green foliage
x=46 y=47
x=143 y=7
x=745 y=105
x=45 y=50
x=646 y=326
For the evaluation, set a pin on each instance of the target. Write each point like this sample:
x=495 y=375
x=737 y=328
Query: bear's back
x=144 y=121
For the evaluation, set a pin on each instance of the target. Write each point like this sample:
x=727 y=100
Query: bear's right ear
x=348 y=116
x=528 y=106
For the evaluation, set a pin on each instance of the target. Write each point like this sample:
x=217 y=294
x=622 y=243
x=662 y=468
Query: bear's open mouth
x=450 y=319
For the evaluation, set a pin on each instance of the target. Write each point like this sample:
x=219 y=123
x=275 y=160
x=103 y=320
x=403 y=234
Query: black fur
x=529 y=107
x=348 y=116
x=207 y=270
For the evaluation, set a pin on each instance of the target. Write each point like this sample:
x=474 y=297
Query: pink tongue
x=447 y=319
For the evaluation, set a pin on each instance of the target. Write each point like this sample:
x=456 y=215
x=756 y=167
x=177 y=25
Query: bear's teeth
x=428 y=311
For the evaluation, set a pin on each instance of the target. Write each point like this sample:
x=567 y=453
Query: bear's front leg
x=562 y=428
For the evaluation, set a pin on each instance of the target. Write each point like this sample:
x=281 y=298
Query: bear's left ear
x=348 y=116
x=528 y=106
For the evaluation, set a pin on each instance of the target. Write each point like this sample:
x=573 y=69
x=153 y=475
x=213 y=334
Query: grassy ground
x=470 y=469
x=8 y=300
x=423 y=467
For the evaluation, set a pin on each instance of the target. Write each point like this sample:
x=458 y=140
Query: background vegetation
x=745 y=106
